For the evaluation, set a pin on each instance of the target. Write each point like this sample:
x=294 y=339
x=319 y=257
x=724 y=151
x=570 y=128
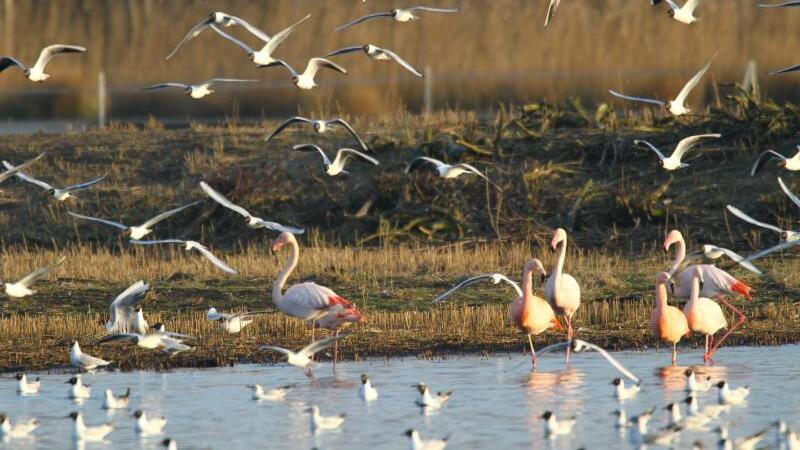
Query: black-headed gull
x=36 y=73
x=149 y=341
x=79 y=389
x=425 y=399
x=378 y=54
x=148 y=426
x=169 y=444
x=112 y=401
x=792 y=163
x=789 y=69
x=415 y=442
x=673 y=162
x=552 y=6
x=495 y=278
x=444 y=170
x=712 y=411
x=622 y=393
x=22 y=288
x=19 y=430
x=728 y=396
x=336 y=166
x=135 y=232
x=263 y=57
x=692 y=423
x=692 y=385
x=27 y=387
x=305 y=80
x=83 y=432
x=251 y=220
x=275 y=395
x=786 y=235
x=302 y=358
x=320 y=126
x=555 y=427
x=367 y=391
x=221 y=19
x=320 y=422
x=743 y=443
x=193 y=245
x=399 y=15
x=59 y=194
x=676 y=107
x=685 y=13
x=199 y=90
x=83 y=361
x=8 y=173
x=232 y=323
x=123 y=309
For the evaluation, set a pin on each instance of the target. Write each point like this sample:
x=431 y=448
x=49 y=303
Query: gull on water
x=728 y=396
x=83 y=361
x=674 y=160
x=263 y=57
x=621 y=393
x=276 y=395
x=378 y=54
x=135 y=231
x=79 y=389
x=20 y=430
x=711 y=411
x=8 y=173
x=744 y=443
x=199 y=90
x=399 y=15
x=791 y=164
x=22 y=288
x=430 y=401
x=125 y=310
x=692 y=385
x=36 y=73
x=415 y=442
x=169 y=444
x=554 y=427
x=250 y=220
x=112 y=401
x=692 y=423
x=320 y=126
x=148 y=426
x=25 y=387
x=305 y=80
x=366 y=391
x=189 y=246
x=335 y=167
x=83 y=432
x=320 y=422
x=60 y=194
x=218 y=18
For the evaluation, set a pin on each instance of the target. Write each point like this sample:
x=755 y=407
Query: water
x=496 y=403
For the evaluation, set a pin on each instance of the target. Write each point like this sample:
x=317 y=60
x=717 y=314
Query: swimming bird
x=531 y=314
x=711 y=411
x=83 y=432
x=342 y=156
x=728 y=396
x=36 y=73
x=169 y=444
x=263 y=57
x=704 y=315
x=123 y=310
x=378 y=54
x=305 y=80
x=446 y=171
x=640 y=421
x=8 y=173
x=189 y=246
x=116 y=402
x=320 y=126
x=691 y=423
x=79 y=389
x=199 y=90
x=60 y=194
x=320 y=422
x=427 y=400
x=150 y=341
x=743 y=443
x=785 y=235
x=302 y=358
x=662 y=437
x=554 y=427
x=232 y=323
x=21 y=429
x=275 y=395
x=148 y=426
x=83 y=361
x=399 y=15
x=675 y=107
x=674 y=160
x=249 y=219
x=495 y=278
x=561 y=289
x=667 y=322
x=25 y=387
x=219 y=18
x=621 y=393
x=22 y=288
x=135 y=231
x=415 y=442
x=366 y=391
x=692 y=385
x=621 y=422
x=791 y=164
x=683 y=14
x=552 y=6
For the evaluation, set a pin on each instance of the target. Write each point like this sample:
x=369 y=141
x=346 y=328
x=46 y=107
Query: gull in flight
x=83 y=432
x=495 y=278
x=135 y=232
x=116 y=402
x=25 y=387
x=13 y=171
x=552 y=6
x=579 y=345
x=342 y=156
x=675 y=107
x=302 y=358
x=305 y=80
x=36 y=72
x=685 y=13
x=249 y=219
x=320 y=126
x=263 y=57
x=219 y=18
x=786 y=235
x=123 y=310
x=674 y=160
x=200 y=90
x=415 y=442
x=792 y=163
x=18 y=430
x=445 y=171
x=193 y=245
x=399 y=15
x=779 y=5
x=22 y=288
x=320 y=422
x=58 y=194
x=150 y=341
x=232 y=323
x=148 y=426
x=275 y=395
x=84 y=361
x=789 y=69
x=378 y=54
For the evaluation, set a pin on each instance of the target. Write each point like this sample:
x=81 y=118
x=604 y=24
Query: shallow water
x=496 y=403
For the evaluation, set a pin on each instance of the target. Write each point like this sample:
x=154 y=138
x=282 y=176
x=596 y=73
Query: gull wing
x=98 y=220
x=637 y=99
x=776 y=248
x=651 y=147
x=291 y=69
x=166 y=85
x=122 y=307
x=487 y=277
x=735 y=257
x=306 y=147
x=342 y=51
x=789 y=193
x=193 y=33
x=275 y=226
x=296 y=119
x=282 y=35
x=687 y=143
x=52 y=50
x=416 y=162
x=89 y=360
x=228 y=80
x=760 y=161
x=130 y=337
x=222 y=200
x=12 y=170
x=239 y=43
x=342 y=122
x=85 y=184
x=691 y=5
x=213 y=314
x=159 y=241
x=672 y=5
x=216 y=261
x=552 y=6
x=7 y=61
x=738 y=213
x=25 y=177
x=439 y=10
x=579 y=345
x=472 y=169
x=167 y=214
x=402 y=62
x=349 y=151
x=285 y=351
x=320 y=345
x=32 y=277
x=778 y=5
x=681 y=98
x=362 y=19
x=789 y=69
x=314 y=64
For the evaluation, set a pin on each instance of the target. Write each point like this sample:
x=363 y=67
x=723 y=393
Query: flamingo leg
x=674 y=353
x=533 y=352
x=705 y=351
x=738 y=323
x=313 y=328
x=335 y=351
x=568 y=319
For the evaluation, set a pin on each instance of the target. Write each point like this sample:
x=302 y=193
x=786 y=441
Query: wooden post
x=428 y=92
x=8 y=26
x=101 y=100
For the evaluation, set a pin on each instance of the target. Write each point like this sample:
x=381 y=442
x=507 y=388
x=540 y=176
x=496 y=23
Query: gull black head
x=295 y=79
x=166 y=442
x=721 y=384
x=251 y=56
x=317 y=126
x=3 y=417
x=52 y=191
x=158 y=326
x=73 y=415
x=670 y=407
x=138 y=413
x=409 y=432
x=188 y=90
x=365 y=47
x=364 y=378
x=26 y=72
x=19 y=376
x=617 y=381
x=212 y=17
x=688 y=400
x=688 y=372
x=421 y=387
x=547 y=415
x=671 y=12
x=73 y=381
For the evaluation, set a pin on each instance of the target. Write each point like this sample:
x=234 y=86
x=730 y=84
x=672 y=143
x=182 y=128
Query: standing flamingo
x=310 y=301
x=561 y=290
x=532 y=314
x=704 y=315
x=667 y=322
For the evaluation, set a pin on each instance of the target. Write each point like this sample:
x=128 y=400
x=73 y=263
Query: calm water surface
x=496 y=404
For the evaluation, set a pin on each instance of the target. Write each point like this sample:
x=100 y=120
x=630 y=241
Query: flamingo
x=310 y=301
x=530 y=313
x=704 y=315
x=561 y=289
x=667 y=322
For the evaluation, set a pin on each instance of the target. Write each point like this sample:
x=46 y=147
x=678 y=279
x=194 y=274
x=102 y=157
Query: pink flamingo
x=310 y=301
x=667 y=322
x=704 y=315
x=532 y=314
x=561 y=290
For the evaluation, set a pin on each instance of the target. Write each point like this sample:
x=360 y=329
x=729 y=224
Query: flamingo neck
x=695 y=292
x=527 y=289
x=559 y=269
x=661 y=296
x=680 y=255
x=277 y=288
